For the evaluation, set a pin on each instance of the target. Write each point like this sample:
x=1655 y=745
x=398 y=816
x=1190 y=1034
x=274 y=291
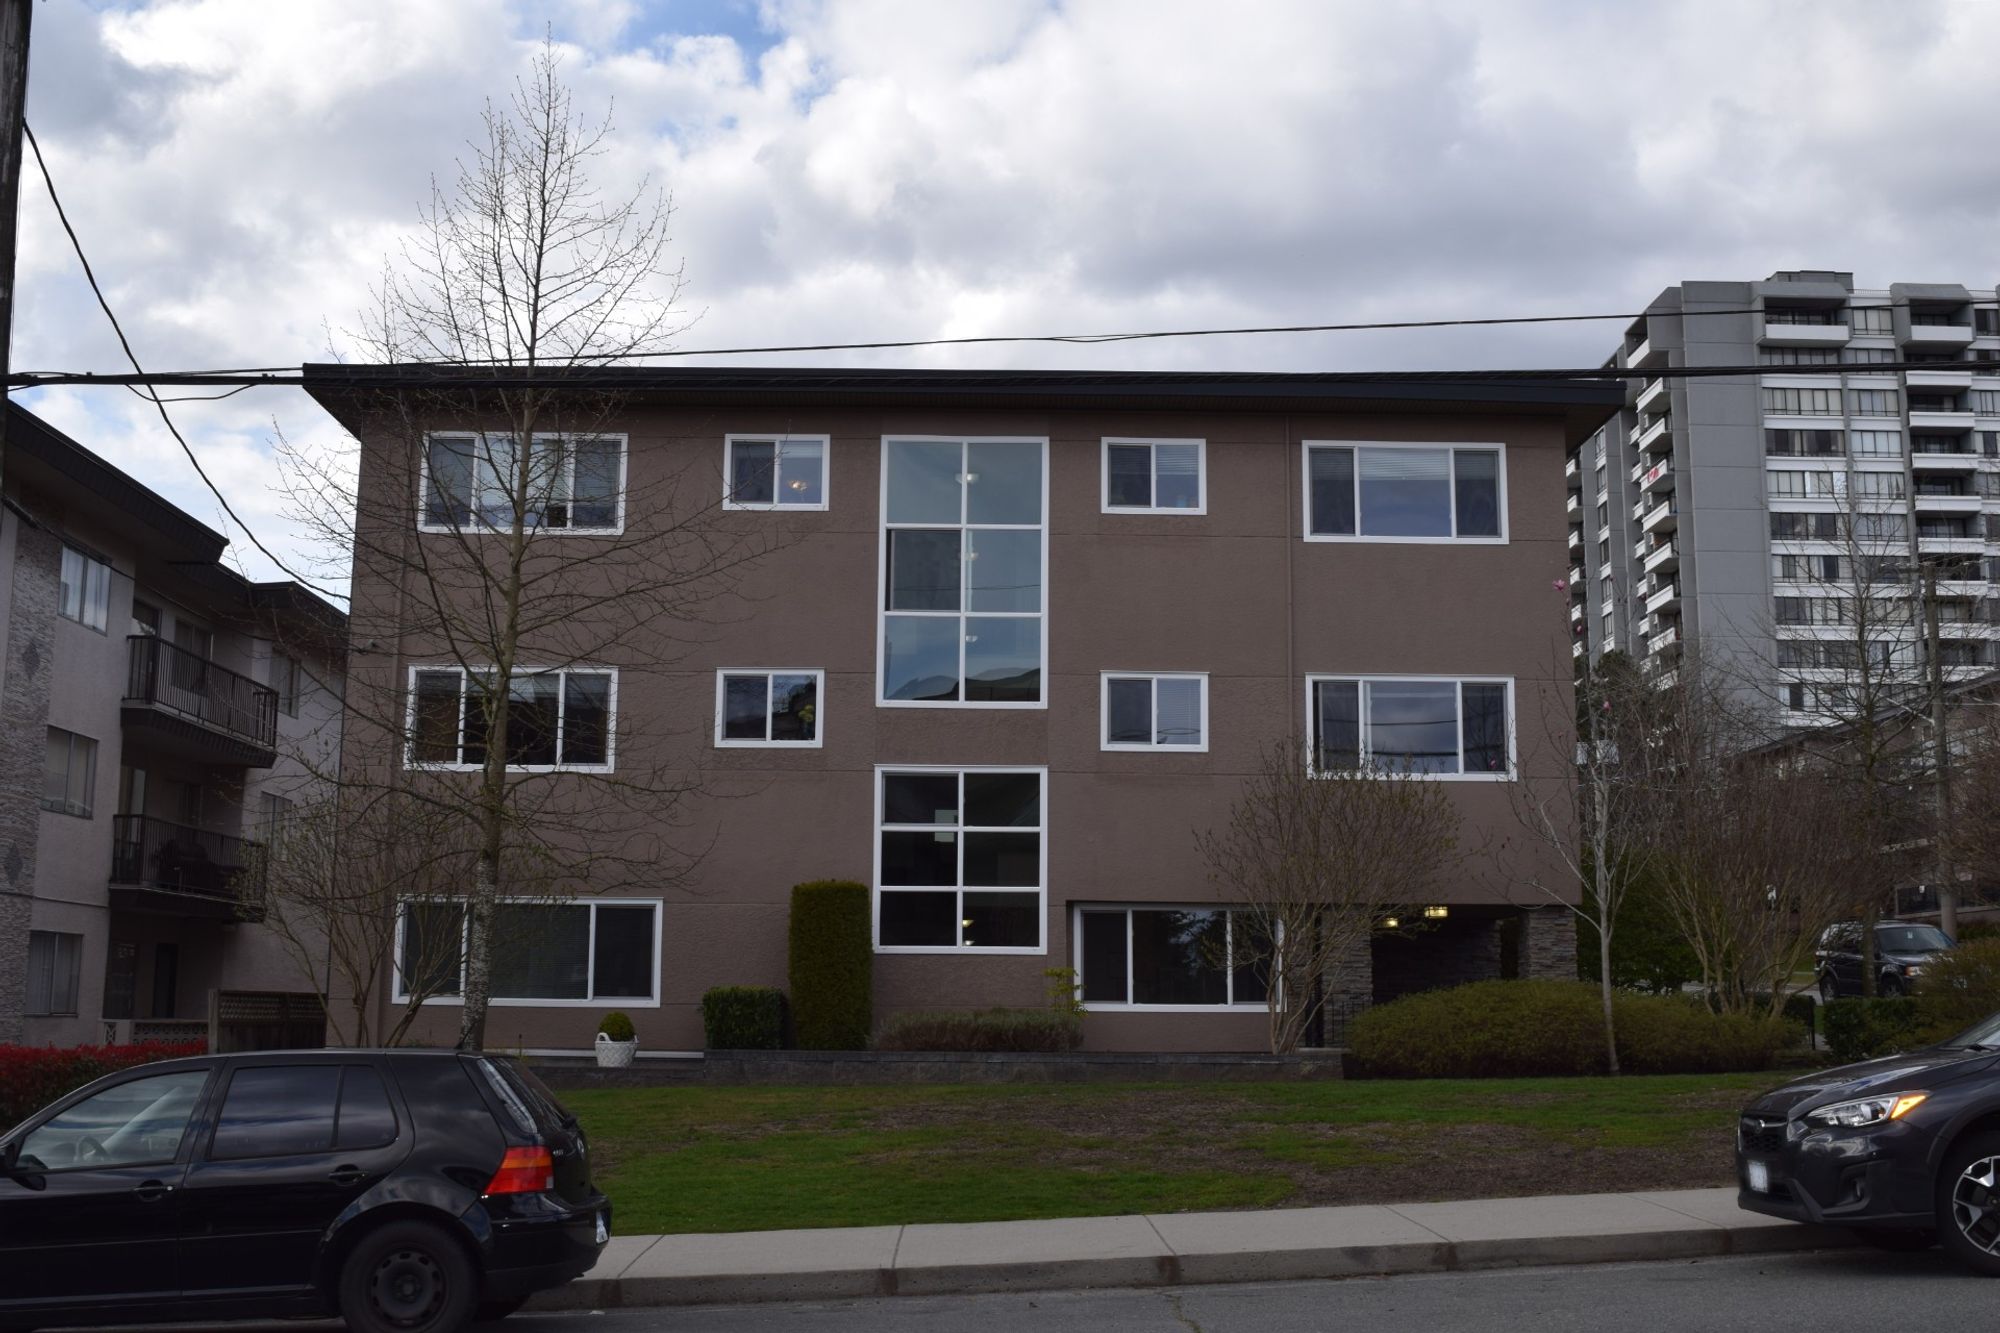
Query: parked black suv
x=1906 y=1150
x=1901 y=951
x=403 y=1190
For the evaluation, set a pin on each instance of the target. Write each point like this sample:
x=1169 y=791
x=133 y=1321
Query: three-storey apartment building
x=1014 y=640
x=162 y=713
x=1786 y=518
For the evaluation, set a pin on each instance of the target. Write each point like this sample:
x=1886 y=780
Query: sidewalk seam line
x=896 y=1251
x=1415 y=1223
x=1680 y=1212
x=1168 y=1245
x=650 y=1243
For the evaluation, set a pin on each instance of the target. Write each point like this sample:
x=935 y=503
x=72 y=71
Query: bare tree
x=343 y=876
x=1853 y=672
x=512 y=558
x=1756 y=851
x=1593 y=818
x=1314 y=862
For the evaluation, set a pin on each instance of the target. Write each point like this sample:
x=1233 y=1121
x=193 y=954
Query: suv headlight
x=1867 y=1111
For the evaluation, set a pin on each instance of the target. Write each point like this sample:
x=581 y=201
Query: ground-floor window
x=960 y=859
x=55 y=961
x=543 y=952
x=1167 y=957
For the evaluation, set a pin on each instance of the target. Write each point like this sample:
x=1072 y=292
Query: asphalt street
x=1832 y=1290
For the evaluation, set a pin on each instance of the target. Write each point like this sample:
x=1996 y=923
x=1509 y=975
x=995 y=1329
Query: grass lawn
x=754 y=1158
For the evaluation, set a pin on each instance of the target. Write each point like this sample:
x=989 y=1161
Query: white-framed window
x=1148 y=476
x=1395 y=492
x=964 y=565
x=768 y=708
x=961 y=860
x=557 y=954
x=85 y=592
x=1433 y=726
x=556 y=719
x=574 y=483
x=1184 y=959
x=69 y=784
x=1160 y=710
x=774 y=471
x=55 y=961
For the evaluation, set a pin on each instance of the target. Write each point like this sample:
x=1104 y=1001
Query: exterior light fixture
x=1390 y=922
x=1436 y=912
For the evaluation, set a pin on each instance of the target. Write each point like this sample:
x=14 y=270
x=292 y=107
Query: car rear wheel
x=408 y=1277
x=1968 y=1204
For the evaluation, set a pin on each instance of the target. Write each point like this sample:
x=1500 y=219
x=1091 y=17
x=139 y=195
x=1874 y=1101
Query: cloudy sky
x=874 y=169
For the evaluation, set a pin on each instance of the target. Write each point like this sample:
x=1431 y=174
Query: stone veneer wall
x=1548 y=943
x=24 y=723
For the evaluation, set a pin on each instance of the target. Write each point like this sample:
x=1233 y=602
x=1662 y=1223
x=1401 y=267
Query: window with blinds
x=54 y=964
x=1155 y=476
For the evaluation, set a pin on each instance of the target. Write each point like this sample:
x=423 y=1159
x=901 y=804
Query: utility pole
x=14 y=18
x=1947 y=883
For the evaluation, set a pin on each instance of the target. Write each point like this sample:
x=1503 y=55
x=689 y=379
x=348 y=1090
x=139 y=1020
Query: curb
x=1185 y=1269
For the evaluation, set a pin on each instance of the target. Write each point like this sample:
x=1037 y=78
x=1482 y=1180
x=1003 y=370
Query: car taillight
x=524 y=1171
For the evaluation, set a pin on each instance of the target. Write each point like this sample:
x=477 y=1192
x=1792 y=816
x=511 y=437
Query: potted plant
x=617 y=1042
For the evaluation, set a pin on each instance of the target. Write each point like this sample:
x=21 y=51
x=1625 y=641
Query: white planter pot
x=615 y=1054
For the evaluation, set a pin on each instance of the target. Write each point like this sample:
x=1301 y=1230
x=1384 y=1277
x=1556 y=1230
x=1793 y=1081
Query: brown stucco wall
x=1234 y=592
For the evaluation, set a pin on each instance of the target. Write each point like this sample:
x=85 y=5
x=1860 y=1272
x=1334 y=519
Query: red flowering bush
x=33 y=1076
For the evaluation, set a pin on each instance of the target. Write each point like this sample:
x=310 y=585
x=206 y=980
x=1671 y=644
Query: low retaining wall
x=864 y=1067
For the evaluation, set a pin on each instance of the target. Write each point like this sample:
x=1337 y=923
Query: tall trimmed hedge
x=832 y=956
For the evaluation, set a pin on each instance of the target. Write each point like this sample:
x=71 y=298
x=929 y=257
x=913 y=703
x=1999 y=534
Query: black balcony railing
x=153 y=854
x=171 y=677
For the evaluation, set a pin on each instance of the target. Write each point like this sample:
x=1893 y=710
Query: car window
x=366 y=1118
x=277 y=1111
x=133 y=1124
x=1911 y=939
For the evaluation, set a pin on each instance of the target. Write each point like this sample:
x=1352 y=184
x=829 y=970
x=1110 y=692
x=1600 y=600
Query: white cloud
x=872 y=169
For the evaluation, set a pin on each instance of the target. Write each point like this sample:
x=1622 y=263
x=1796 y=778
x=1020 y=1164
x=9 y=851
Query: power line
x=445 y=375
x=139 y=372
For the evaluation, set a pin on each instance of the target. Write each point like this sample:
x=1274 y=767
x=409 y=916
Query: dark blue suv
x=402 y=1190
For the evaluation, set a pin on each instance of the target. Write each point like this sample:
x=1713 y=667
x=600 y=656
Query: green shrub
x=832 y=950
x=1959 y=988
x=1863 y=1029
x=1503 y=1029
x=981 y=1030
x=1648 y=950
x=617 y=1025
x=1672 y=1034
x=743 y=1018
x=1978 y=930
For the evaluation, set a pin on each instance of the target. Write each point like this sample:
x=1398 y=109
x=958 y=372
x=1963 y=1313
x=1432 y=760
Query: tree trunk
x=1604 y=989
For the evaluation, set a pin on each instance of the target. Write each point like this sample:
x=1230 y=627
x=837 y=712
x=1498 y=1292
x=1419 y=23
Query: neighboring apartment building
x=1768 y=515
x=161 y=712
x=1024 y=636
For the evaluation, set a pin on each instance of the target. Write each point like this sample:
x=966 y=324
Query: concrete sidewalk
x=1170 y=1248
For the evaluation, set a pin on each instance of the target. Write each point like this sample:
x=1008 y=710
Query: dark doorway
x=166 y=979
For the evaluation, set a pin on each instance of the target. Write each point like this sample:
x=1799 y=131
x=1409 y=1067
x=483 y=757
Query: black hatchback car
x=402 y=1190
x=1905 y=1150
